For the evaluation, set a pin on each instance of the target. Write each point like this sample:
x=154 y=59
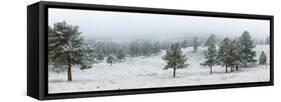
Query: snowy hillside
x=147 y=72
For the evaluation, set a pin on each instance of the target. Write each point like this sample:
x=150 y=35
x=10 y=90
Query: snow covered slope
x=147 y=72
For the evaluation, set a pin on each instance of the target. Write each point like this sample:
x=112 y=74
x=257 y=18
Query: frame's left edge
x=43 y=89
x=32 y=50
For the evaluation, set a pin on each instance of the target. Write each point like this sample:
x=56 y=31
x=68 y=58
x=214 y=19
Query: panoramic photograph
x=91 y=50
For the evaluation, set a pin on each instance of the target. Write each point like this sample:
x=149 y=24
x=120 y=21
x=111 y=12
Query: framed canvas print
x=83 y=50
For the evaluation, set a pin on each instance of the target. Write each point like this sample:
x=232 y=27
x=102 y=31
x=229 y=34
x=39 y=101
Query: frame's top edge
x=36 y=3
x=85 y=6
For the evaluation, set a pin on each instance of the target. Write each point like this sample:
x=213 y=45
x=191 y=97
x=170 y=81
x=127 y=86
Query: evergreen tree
x=110 y=59
x=184 y=44
x=195 y=44
x=236 y=53
x=134 y=49
x=100 y=55
x=233 y=57
x=52 y=40
x=211 y=40
x=67 y=48
x=263 y=58
x=228 y=54
x=146 y=48
x=120 y=55
x=113 y=47
x=222 y=57
x=246 y=52
x=174 y=58
x=156 y=47
x=211 y=55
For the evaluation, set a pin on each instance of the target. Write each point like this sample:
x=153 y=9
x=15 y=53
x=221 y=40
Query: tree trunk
x=211 y=70
x=69 y=76
x=226 y=69
x=174 y=74
x=111 y=64
x=236 y=67
x=245 y=64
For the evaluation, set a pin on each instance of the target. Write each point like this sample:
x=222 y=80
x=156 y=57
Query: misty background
x=107 y=25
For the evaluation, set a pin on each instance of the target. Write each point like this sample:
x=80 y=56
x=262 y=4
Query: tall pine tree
x=100 y=55
x=175 y=58
x=120 y=54
x=156 y=48
x=233 y=57
x=134 y=49
x=67 y=48
x=228 y=54
x=211 y=55
x=222 y=57
x=247 y=54
x=236 y=54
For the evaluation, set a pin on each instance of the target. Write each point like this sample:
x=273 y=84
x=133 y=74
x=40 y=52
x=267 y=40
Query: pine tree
x=233 y=57
x=195 y=44
x=228 y=54
x=246 y=52
x=66 y=48
x=134 y=49
x=113 y=48
x=211 y=55
x=211 y=40
x=110 y=59
x=52 y=40
x=237 y=46
x=184 y=44
x=120 y=55
x=222 y=57
x=146 y=48
x=156 y=47
x=100 y=56
x=174 y=58
x=263 y=58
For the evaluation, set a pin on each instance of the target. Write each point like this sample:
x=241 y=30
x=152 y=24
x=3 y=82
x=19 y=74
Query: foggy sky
x=124 y=25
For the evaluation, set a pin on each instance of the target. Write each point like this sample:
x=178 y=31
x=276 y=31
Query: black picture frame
x=37 y=68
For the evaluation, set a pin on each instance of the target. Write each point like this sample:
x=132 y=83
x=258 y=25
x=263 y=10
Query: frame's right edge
x=272 y=50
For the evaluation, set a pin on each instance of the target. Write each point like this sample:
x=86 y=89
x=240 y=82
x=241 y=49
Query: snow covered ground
x=147 y=72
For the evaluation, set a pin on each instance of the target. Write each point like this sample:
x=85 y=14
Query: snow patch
x=147 y=72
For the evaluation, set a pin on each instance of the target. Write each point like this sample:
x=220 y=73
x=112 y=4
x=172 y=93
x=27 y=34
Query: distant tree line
x=131 y=49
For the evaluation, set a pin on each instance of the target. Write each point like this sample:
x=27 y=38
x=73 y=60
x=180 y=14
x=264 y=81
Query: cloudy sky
x=124 y=25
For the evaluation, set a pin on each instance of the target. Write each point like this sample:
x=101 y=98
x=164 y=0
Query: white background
x=13 y=51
